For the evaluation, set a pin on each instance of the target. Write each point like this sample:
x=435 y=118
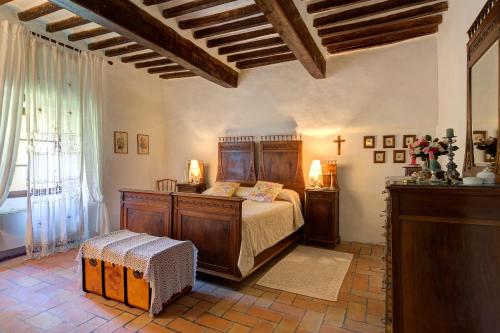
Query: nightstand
x=191 y=188
x=322 y=217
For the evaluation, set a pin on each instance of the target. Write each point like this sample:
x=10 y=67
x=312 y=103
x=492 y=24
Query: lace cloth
x=168 y=265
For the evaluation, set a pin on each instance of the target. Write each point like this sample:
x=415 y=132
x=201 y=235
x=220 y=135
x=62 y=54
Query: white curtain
x=91 y=73
x=64 y=148
x=13 y=46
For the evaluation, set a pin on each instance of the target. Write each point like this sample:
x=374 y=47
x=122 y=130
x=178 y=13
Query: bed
x=235 y=236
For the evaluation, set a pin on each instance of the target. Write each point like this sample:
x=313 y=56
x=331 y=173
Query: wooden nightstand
x=191 y=188
x=322 y=216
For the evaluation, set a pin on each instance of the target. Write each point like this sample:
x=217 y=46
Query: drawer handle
x=138 y=275
x=93 y=262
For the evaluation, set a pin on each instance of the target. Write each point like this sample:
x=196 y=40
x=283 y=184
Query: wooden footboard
x=213 y=224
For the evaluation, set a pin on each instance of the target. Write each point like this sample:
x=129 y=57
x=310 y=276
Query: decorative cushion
x=243 y=192
x=222 y=189
x=265 y=191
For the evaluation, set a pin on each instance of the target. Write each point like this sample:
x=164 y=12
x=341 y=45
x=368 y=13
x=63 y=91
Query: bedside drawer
x=313 y=195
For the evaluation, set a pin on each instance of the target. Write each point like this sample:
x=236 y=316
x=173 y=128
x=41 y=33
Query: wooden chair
x=166 y=185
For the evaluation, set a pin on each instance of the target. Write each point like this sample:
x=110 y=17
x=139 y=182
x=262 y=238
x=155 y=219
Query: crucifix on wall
x=339 y=143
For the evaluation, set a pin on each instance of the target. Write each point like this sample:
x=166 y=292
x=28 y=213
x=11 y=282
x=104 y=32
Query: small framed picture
x=389 y=141
x=399 y=156
x=142 y=144
x=379 y=157
x=479 y=136
x=408 y=140
x=121 y=142
x=369 y=142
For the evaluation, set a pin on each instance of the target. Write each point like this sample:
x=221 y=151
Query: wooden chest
x=116 y=282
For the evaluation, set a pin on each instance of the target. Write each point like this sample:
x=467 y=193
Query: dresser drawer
x=312 y=195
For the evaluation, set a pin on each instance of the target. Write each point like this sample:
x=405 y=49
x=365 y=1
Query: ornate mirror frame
x=483 y=33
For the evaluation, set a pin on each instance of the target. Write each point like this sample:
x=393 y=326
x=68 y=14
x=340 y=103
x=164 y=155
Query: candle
x=450 y=133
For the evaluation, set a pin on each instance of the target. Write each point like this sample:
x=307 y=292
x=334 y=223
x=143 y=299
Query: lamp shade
x=195 y=173
x=315 y=173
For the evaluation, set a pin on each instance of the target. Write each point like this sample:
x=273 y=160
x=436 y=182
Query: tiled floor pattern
x=43 y=296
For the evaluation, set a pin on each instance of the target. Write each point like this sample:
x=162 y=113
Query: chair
x=166 y=185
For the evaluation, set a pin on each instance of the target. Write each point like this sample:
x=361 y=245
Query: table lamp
x=315 y=174
x=194 y=173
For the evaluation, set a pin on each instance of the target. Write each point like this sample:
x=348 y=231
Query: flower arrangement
x=428 y=149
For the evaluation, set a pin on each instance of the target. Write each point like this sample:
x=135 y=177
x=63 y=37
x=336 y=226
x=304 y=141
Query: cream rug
x=309 y=271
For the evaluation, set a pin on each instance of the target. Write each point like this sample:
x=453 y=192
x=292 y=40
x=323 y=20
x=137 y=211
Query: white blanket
x=265 y=224
x=168 y=265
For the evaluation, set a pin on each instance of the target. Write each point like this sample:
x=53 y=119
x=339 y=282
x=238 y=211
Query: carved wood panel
x=237 y=162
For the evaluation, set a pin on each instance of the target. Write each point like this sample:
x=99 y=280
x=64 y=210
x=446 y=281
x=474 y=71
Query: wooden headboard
x=280 y=161
x=237 y=160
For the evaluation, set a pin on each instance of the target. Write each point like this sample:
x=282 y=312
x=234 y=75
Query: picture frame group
x=120 y=141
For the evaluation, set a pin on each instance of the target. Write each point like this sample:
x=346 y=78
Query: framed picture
x=142 y=144
x=379 y=157
x=121 y=142
x=369 y=142
x=478 y=136
x=399 y=156
x=408 y=140
x=389 y=141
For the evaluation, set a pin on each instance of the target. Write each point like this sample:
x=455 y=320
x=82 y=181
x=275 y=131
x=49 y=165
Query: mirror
x=484 y=106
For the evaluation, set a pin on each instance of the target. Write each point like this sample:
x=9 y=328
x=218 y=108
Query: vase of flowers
x=428 y=150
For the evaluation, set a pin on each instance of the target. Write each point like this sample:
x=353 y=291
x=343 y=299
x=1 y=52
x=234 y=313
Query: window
x=19 y=186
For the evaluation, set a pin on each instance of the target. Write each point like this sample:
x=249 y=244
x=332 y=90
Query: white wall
x=133 y=104
x=452 y=69
x=390 y=90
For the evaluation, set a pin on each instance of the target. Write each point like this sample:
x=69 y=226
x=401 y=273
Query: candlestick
x=450 y=133
x=451 y=167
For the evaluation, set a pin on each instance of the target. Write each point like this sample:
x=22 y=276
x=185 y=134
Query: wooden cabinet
x=443 y=259
x=191 y=188
x=322 y=217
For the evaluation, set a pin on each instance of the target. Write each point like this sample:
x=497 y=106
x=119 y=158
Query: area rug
x=309 y=271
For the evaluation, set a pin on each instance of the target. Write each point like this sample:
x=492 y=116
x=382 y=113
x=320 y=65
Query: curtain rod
x=59 y=43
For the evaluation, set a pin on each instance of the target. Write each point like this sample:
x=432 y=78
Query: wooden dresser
x=443 y=259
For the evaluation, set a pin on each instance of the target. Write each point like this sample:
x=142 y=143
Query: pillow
x=222 y=189
x=265 y=191
x=243 y=192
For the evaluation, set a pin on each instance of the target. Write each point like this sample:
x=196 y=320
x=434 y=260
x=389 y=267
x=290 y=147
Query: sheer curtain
x=64 y=148
x=13 y=46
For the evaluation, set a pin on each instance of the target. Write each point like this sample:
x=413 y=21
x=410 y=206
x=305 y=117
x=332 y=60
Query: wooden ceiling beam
x=192 y=6
x=129 y=20
x=384 y=28
x=257 y=44
x=240 y=37
x=3 y=2
x=286 y=20
x=124 y=50
x=110 y=42
x=274 y=59
x=251 y=22
x=258 y=53
x=141 y=57
x=87 y=34
x=382 y=39
x=153 y=63
x=178 y=75
x=325 y=5
x=74 y=21
x=166 y=69
x=45 y=8
x=154 y=2
x=229 y=15
x=361 y=12
x=393 y=18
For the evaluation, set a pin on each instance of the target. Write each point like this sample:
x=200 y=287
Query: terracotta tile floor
x=43 y=296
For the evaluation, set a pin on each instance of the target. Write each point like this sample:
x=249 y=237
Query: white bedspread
x=168 y=265
x=265 y=224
